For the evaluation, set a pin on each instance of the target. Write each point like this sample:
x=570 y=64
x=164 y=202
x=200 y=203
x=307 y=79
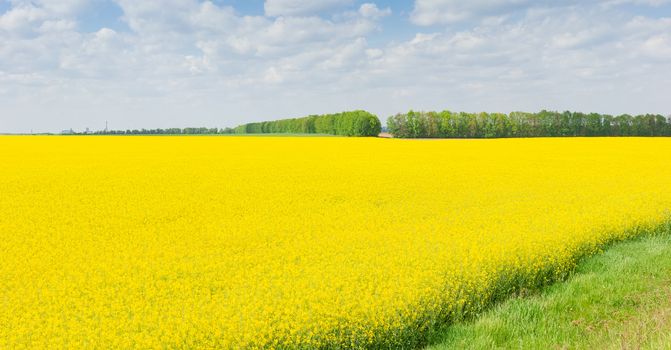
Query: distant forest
x=353 y=123
x=167 y=131
x=448 y=124
x=445 y=124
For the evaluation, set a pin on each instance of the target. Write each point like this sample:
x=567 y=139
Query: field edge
x=510 y=320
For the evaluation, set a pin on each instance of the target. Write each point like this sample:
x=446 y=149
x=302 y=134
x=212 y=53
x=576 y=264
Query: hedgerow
x=354 y=123
x=520 y=124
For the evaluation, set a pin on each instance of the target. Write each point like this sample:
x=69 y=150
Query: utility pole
x=105 y=126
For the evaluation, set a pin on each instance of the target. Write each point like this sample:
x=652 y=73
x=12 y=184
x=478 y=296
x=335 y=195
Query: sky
x=189 y=63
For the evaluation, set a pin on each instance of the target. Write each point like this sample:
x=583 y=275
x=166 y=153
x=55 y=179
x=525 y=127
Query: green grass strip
x=620 y=299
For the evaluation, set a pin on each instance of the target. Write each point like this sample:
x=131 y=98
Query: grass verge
x=620 y=299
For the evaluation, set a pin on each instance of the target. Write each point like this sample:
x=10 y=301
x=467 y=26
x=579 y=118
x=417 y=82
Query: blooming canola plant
x=261 y=242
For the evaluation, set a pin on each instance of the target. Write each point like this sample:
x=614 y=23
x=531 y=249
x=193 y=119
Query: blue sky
x=177 y=63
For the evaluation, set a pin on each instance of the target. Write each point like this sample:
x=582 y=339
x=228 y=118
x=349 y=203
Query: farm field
x=288 y=242
x=619 y=299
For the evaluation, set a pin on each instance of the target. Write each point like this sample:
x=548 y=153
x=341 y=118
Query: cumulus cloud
x=434 y=12
x=370 y=10
x=431 y=12
x=185 y=52
x=22 y=19
x=658 y=46
x=300 y=7
x=190 y=62
x=655 y=3
x=566 y=58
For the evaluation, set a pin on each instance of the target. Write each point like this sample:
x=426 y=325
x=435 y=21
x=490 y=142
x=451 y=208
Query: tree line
x=167 y=131
x=353 y=123
x=447 y=124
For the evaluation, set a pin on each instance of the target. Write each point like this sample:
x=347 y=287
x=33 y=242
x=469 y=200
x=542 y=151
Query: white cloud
x=430 y=12
x=434 y=12
x=63 y=7
x=273 y=75
x=569 y=58
x=178 y=55
x=191 y=62
x=658 y=46
x=370 y=10
x=22 y=19
x=301 y=7
x=638 y=2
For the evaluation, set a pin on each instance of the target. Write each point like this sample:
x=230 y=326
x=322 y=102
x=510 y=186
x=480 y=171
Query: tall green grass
x=618 y=299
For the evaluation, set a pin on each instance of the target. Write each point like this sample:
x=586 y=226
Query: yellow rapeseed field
x=234 y=242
